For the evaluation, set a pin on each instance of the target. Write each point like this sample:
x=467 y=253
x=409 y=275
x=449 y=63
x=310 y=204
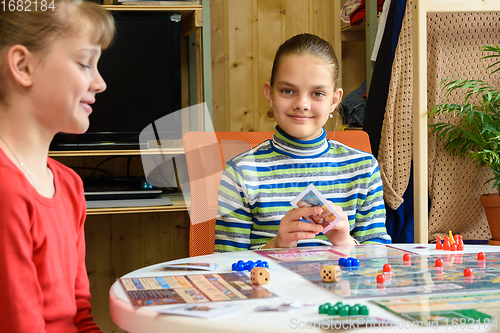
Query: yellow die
x=331 y=273
x=260 y=275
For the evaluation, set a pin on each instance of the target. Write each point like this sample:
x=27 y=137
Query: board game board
x=321 y=253
x=419 y=277
x=448 y=310
x=197 y=288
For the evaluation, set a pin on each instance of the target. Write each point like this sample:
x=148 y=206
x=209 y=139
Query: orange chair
x=206 y=156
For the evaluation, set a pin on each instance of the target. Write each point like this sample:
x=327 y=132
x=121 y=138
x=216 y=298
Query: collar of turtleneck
x=285 y=144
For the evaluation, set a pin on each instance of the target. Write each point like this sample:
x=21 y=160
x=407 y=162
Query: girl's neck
x=28 y=150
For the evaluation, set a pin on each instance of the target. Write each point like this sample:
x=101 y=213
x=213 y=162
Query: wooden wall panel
x=245 y=37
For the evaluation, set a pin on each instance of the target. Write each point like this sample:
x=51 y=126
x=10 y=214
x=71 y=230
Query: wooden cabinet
x=120 y=240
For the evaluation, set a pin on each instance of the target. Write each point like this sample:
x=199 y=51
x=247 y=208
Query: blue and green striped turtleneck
x=257 y=187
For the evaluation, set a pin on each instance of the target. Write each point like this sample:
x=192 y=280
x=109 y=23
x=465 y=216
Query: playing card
x=311 y=197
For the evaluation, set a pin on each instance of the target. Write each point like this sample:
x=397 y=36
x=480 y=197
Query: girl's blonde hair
x=38 y=29
x=307 y=44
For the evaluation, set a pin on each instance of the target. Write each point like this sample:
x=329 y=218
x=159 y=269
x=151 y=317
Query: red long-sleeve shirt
x=43 y=280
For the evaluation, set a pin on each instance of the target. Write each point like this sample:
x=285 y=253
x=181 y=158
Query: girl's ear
x=337 y=97
x=268 y=92
x=20 y=63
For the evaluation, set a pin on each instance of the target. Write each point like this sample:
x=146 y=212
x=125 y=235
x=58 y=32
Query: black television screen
x=142 y=71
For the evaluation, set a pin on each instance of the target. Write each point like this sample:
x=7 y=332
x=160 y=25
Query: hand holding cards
x=311 y=197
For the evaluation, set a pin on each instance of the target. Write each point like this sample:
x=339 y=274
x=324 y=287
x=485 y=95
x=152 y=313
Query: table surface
x=289 y=286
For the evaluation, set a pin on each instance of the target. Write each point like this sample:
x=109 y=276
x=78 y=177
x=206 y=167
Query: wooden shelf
x=154 y=151
x=179 y=205
x=191 y=15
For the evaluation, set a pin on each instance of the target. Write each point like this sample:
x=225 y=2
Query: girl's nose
x=302 y=103
x=98 y=84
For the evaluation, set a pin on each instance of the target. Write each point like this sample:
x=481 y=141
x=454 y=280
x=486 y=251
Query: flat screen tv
x=142 y=71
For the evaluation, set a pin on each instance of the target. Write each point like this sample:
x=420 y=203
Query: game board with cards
x=419 y=276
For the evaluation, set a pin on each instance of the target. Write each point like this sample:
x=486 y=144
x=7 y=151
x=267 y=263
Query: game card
x=311 y=197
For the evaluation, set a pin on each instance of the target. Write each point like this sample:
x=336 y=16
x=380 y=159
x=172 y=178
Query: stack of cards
x=311 y=197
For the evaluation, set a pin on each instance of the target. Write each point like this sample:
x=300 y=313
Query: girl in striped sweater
x=257 y=186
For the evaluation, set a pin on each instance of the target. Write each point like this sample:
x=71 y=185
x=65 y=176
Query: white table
x=289 y=286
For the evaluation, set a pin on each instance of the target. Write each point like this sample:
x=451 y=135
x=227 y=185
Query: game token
x=355 y=263
x=481 y=256
x=451 y=239
x=322 y=309
x=344 y=311
x=406 y=257
x=439 y=245
x=460 y=245
x=364 y=311
x=387 y=268
x=468 y=272
x=333 y=311
x=461 y=241
x=455 y=238
x=339 y=304
x=439 y=263
x=446 y=243
x=453 y=246
x=354 y=310
x=380 y=278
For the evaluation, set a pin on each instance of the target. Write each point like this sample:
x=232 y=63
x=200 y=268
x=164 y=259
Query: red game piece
x=453 y=247
x=439 y=263
x=468 y=272
x=380 y=278
x=446 y=243
x=387 y=268
x=481 y=256
x=460 y=245
x=455 y=238
x=439 y=245
x=406 y=257
x=461 y=242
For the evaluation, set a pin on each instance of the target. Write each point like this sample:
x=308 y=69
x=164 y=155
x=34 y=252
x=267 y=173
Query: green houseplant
x=477 y=132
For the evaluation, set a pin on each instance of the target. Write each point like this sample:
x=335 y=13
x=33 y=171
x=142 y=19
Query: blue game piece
x=233 y=267
x=258 y=263
x=342 y=262
x=265 y=264
x=249 y=265
x=348 y=262
x=355 y=263
x=241 y=262
x=240 y=266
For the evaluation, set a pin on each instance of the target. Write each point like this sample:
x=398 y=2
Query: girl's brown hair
x=307 y=44
x=37 y=29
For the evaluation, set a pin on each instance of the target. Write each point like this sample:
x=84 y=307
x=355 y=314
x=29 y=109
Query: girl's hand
x=292 y=229
x=339 y=234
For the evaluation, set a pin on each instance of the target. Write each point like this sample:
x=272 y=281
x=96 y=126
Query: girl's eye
x=318 y=94
x=287 y=91
x=84 y=66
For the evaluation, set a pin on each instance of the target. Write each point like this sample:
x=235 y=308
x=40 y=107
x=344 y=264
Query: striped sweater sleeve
x=370 y=216
x=234 y=217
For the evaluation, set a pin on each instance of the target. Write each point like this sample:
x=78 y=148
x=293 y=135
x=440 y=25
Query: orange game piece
x=455 y=238
x=380 y=278
x=446 y=243
x=460 y=245
x=461 y=241
x=481 y=256
x=453 y=247
x=387 y=268
x=468 y=272
x=406 y=257
x=439 y=263
x=439 y=245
